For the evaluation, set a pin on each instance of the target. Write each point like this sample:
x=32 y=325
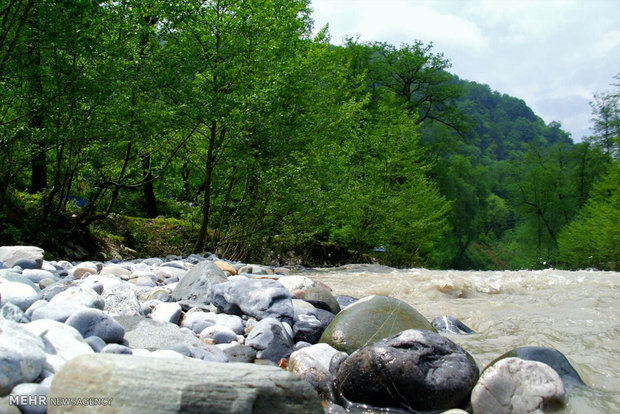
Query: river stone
x=80 y=296
x=151 y=334
x=517 y=386
x=321 y=298
x=297 y=282
x=93 y=322
x=137 y=384
x=308 y=329
x=344 y=300
x=318 y=364
x=449 y=324
x=37 y=275
x=225 y=266
x=96 y=343
x=197 y=284
x=14 y=313
x=62 y=342
x=57 y=311
x=369 y=320
x=254 y=270
x=301 y=307
x=19 y=294
x=552 y=357
x=239 y=353
x=271 y=340
x=259 y=298
x=415 y=369
x=219 y=334
x=9 y=255
x=120 y=299
x=233 y=322
x=22 y=355
x=10 y=275
x=115 y=270
x=116 y=349
x=167 y=312
x=197 y=321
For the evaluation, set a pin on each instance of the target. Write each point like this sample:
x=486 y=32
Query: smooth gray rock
x=318 y=364
x=37 y=275
x=449 y=324
x=14 y=313
x=137 y=384
x=9 y=255
x=80 y=296
x=116 y=349
x=167 y=312
x=260 y=298
x=96 y=343
x=147 y=333
x=239 y=353
x=321 y=298
x=271 y=340
x=28 y=264
x=253 y=270
x=197 y=321
x=415 y=370
x=344 y=300
x=19 y=294
x=58 y=311
x=219 y=334
x=62 y=342
x=93 y=322
x=33 y=391
x=517 y=386
x=233 y=322
x=22 y=355
x=210 y=353
x=308 y=329
x=10 y=275
x=197 y=284
x=36 y=305
x=120 y=299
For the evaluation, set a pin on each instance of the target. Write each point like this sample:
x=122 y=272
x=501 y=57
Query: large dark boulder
x=416 y=370
x=369 y=320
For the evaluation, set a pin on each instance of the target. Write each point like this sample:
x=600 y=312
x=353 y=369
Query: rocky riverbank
x=199 y=333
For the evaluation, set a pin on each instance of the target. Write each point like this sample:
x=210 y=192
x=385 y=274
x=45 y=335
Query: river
x=577 y=313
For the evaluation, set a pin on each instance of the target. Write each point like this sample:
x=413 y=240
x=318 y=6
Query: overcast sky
x=552 y=54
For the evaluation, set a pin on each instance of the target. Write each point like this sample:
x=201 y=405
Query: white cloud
x=396 y=21
x=554 y=54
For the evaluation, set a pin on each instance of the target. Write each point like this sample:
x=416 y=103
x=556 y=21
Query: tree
x=593 y=238
x=606 y=120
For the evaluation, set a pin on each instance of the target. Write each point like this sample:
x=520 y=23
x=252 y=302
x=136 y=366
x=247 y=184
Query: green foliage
x=593 y=238
x=265 y=141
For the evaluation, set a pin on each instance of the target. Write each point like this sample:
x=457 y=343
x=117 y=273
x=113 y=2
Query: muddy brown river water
x=577 y=313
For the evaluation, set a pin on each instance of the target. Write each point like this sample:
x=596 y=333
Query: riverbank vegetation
x=247 y=135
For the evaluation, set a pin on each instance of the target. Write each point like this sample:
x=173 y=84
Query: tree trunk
x=206 y=205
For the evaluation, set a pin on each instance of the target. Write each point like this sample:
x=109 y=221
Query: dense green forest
x=269 y=143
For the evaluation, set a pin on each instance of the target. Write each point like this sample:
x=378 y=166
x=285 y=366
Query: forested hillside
x=264 y=141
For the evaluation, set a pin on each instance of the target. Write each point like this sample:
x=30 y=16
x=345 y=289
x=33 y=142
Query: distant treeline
x=233 y=116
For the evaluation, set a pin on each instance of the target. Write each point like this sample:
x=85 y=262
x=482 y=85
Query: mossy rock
x=371 y=319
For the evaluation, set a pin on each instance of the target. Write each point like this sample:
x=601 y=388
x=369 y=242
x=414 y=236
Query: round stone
x=415 y=369
x=91 y=322
x=371 y=319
